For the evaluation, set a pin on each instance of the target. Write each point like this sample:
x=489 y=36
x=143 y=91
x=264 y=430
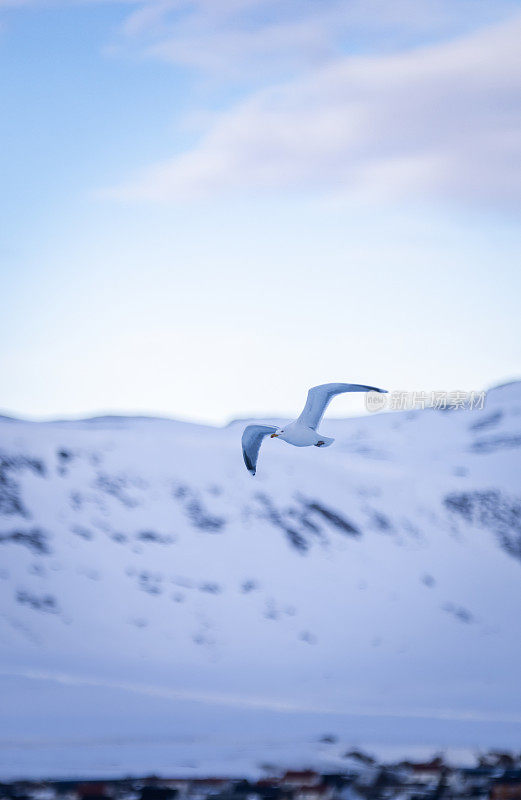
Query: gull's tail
x=324 y=442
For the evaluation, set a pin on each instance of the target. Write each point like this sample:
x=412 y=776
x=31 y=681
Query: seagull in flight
x=303 y=431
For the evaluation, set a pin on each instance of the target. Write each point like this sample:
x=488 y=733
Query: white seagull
x=303 y=431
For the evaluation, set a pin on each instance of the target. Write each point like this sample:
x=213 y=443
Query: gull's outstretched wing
x=251 y=442
x=320 y=396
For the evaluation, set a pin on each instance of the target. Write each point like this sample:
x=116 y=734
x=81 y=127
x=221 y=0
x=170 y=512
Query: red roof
x=428 y=766
x=91 y=789
x=294 y=775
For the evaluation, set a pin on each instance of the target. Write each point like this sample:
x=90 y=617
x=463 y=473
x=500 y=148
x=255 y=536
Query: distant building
x=320 y=792
x=92 y=790
x=507 y=788
x=158 y=793
x=425 y=772
x=299 y=779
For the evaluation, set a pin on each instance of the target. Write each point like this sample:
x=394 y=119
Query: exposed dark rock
x=308 y=637
x=491 y=510
x=152 y=536
x=202 y=519
x=334 y=518
x=493 y=443
x=459 y=612
x=196 y=511
x=203 y=639
x=10 y=493
x=210 y=588
x=277 y=518
x=150 y=582
x=302 y=517
x=34 y=538
x=46 y=602
x=85 y=533
x=381 y=522
x=300 y=520
x=76 y=499
x=120 y=538
x=249 y=586
x=487 y=422
x=117 y=486
x=462 y=504
x=64 y=459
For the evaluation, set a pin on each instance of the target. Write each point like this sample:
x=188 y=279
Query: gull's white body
x=303 y=431
x=301 y=435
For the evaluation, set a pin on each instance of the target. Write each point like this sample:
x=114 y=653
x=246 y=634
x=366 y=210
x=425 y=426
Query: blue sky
x=209 y=206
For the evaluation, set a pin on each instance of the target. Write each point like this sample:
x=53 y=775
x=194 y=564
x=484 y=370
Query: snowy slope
x=379 y=579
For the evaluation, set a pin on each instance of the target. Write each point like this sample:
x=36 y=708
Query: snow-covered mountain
x=148 y=581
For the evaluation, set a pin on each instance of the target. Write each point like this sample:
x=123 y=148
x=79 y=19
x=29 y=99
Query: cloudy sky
x=209 y=205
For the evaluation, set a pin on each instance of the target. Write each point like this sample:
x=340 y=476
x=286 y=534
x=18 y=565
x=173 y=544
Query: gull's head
x=278 y=432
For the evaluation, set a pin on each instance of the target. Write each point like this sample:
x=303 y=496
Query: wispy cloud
x=441 y=120
x=257 y=38
x=234 y=37
x=367 y=98
x=231 y=700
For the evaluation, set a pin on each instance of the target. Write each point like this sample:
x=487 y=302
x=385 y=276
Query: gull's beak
x=274 y=435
